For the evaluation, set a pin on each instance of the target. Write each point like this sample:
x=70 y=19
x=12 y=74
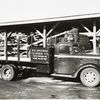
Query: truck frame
x=42 y=45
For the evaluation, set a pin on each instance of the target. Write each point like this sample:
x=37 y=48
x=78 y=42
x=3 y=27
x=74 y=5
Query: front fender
x=78 y=71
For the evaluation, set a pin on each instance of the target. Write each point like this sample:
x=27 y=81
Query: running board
x=61 y=75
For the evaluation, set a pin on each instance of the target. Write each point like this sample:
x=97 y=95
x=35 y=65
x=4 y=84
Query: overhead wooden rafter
x=38 y=32
x=86 y=28
x=52 y=29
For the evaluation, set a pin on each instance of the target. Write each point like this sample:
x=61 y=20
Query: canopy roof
x=54 y=19
x=36 y=11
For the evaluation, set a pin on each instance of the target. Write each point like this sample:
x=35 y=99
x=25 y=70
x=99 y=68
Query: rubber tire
x=11 y=71
x=87 y=79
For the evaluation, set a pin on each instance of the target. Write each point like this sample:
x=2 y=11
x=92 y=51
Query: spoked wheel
x=90 y=77
x=8 y=72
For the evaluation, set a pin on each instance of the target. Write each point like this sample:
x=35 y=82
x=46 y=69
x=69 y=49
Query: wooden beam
x=50 y=37
x=18 y=47
x=94 y=38
x=98 y=32
x=38 y=32
x=44 y=37
x=47 y=39
x=9 y=34
x=31 y=55
x=86 y=28
x=58 y=35
x=52 y=29
x=5 y=46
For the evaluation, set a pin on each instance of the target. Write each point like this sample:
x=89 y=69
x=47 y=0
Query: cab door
x=65 y=60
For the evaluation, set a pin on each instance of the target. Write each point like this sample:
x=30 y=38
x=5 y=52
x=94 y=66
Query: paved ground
x=46 y=88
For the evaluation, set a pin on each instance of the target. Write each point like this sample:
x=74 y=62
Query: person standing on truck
x=75 y=33
x=72 y=36
x=79 y=43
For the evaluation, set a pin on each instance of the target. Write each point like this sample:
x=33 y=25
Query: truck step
x=62 y=75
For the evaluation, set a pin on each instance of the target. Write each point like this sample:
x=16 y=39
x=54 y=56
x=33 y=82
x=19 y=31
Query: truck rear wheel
x=90 y=77
x=8 y=72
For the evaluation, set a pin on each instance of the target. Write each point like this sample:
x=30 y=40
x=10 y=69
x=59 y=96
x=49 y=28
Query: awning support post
x=94 y=38
x=44 y=37
x=18 y=47
x=5 y=46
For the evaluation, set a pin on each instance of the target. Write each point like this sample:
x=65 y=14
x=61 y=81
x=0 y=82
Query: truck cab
x=72 y=58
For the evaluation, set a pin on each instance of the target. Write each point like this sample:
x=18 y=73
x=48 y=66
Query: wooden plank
x=5 y=46
x=98 y=32
x=31 y=46
x=52 y=29
x=44 y=37
x=18 y=47
x=15 y=59
x=47 y=39
x=86 y=28
x=94 y=38
x=38 y=32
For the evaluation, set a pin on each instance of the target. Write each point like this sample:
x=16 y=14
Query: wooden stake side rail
x=15 y=59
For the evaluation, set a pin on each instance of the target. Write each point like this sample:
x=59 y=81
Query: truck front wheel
x=8 y=72
x=90 y=77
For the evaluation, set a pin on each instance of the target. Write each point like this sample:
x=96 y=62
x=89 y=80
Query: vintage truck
x=53 y=47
